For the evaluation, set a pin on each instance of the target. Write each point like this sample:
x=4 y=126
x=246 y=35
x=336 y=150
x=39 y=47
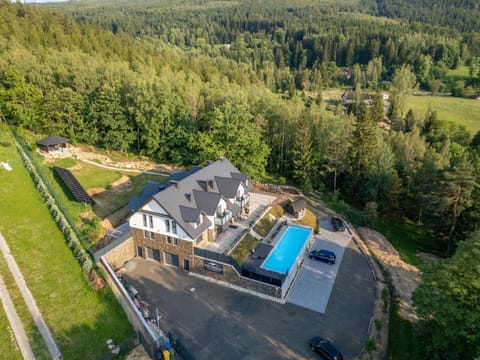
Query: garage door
x=171 y=259
x=153 y=254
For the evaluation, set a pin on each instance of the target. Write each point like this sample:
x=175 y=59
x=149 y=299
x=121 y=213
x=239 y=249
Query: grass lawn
x=406 y=236
x=8 y=344
x=308 y=220
x=266 y=223
x=39 y=348
x=243 y=250
x=460 y=72
x=465 y=112
x=80 y=318
x=402 y=344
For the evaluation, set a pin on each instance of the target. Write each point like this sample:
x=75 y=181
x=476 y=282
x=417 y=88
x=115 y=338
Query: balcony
x=242 y=201
x=222 y=219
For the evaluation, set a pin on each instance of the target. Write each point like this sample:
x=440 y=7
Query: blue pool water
x=284 y=254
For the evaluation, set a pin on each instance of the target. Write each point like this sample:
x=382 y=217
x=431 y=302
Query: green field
x=7 y=339
x=35 y=339
x=465 y=112
x=80 y=318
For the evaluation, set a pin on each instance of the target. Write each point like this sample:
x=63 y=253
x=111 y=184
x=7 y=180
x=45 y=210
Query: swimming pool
x=287 y=249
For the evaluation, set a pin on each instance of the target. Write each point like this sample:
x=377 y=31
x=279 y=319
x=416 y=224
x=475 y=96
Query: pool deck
x=264 y=248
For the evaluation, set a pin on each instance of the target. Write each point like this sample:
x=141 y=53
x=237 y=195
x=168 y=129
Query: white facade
x=157 y=220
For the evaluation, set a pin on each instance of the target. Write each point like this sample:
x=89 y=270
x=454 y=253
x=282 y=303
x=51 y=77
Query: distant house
x=350 y=96
x=53 y=144
x=298 y=207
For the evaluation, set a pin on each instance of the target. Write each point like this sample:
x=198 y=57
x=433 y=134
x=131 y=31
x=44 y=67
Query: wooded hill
x=190 y=81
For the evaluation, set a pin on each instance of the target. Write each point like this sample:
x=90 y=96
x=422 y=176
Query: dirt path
x=405 y=277
x=123 y=169
x=30 y=301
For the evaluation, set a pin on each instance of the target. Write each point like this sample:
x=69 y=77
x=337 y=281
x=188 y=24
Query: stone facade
x=182 y=248
x=121 y=254
x=231 y=276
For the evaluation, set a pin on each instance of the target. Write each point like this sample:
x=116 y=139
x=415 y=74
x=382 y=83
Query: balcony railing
x=223 y=218
x=242 y=201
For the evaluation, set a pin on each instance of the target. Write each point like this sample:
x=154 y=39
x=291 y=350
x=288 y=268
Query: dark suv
x=323 y=255
x=325 y=348
x=338 y=224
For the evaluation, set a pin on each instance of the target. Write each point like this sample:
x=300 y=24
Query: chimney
x=208 y=162
x=188 y=196
x=174 y=182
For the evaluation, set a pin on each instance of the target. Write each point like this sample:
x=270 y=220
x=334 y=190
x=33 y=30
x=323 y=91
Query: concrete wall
x=148 y=338
x=231 y=276
x=121 y=254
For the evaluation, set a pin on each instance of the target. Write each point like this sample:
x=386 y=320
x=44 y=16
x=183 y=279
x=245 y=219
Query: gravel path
x=15 y=322
x=30 y=301
x=123 y=169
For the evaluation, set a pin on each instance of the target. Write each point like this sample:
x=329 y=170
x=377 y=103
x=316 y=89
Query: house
x=350 y=97
x=298 y=207
x=53 y=144
x=194 y=208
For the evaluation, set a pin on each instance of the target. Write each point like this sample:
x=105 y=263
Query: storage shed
x=53 y=144
x=297 y=208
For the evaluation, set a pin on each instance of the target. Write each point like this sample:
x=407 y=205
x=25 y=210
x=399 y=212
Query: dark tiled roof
x=227 y=186
x=245 y=179
x=173 y=197
x=298 y=204
x=180 y=175
x=206 y=201
x=52 y=140
x=73 y=185
x=150 y=189
x=189 y=214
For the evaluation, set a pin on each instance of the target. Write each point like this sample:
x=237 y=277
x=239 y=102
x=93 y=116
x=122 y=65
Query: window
x=175 y=241
x=167 y=225
x=149 y=234
x=174 y=227
x=150 y=221
x=169 y=239
x=144 y=220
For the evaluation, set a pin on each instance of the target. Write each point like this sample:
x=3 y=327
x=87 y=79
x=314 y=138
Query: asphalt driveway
x=215 y=322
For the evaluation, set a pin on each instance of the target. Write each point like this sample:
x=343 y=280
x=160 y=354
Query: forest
x=184 y=82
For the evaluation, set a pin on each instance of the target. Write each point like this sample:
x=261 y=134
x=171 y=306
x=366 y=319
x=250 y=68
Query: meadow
x=461 y=111
x=81 y=319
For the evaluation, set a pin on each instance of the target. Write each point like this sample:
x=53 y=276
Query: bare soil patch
x=138 y=353
x=405 y=277
x=116 y=219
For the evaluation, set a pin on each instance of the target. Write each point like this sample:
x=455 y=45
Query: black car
x=323 y=255
x=325 y=348
x=338 y=224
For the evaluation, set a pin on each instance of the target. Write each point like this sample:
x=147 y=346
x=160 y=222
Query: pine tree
x=302 y=154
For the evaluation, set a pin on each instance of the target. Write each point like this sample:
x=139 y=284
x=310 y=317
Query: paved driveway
x=214 y=322
x=314 y=282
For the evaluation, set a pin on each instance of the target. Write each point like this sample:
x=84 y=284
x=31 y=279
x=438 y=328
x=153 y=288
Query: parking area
x=216 y=322
x=315 y=280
